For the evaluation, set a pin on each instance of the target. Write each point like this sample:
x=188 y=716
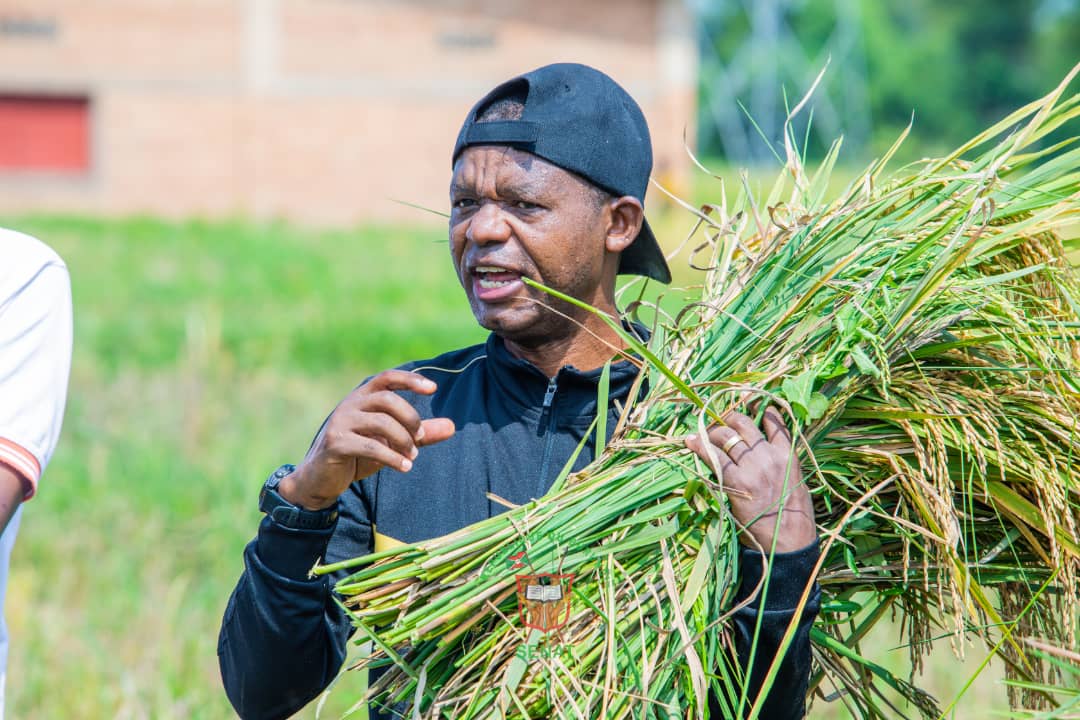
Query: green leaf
x=864 y=363
x=817 y=406
x=601 y=407
x=798 y=391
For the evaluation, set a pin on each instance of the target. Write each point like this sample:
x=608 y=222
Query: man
x=549 y=175
x=35 y=358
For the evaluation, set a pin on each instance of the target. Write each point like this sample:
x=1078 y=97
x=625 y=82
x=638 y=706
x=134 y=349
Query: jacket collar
x=575 y=390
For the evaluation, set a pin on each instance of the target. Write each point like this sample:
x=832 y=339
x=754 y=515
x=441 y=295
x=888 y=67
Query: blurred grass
x=205 y=355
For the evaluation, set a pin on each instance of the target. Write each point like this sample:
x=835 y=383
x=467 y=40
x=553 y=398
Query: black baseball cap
x=580 y=120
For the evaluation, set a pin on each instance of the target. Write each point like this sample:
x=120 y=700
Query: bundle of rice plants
x=921 y=330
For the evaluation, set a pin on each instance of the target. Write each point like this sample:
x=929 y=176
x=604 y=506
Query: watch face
x=278 y=475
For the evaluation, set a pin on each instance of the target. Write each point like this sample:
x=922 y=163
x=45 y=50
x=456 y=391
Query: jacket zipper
x=547 y=412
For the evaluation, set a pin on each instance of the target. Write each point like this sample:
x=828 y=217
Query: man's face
x=515 y=215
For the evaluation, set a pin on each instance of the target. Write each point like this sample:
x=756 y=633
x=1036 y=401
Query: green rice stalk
x=922 y=331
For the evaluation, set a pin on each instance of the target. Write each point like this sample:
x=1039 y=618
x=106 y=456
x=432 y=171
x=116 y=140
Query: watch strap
x=288 y=514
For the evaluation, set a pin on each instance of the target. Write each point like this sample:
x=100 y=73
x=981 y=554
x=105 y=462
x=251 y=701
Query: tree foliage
x=951 y=68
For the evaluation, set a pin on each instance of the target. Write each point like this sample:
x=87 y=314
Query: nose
x=487 y=225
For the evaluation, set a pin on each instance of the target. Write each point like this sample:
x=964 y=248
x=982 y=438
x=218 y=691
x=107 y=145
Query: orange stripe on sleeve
x=23 y=462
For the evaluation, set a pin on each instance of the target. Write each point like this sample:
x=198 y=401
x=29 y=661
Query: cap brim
x=644 y=257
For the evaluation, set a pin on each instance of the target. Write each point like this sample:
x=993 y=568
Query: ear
x=627 y=215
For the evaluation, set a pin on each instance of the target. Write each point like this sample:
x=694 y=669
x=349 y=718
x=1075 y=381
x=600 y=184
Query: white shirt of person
x=35 y=360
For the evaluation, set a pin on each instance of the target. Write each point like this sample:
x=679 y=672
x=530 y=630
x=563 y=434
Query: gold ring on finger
x=730 y=443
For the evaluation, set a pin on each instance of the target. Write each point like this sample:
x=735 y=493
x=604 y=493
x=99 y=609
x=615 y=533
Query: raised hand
x=372 y=428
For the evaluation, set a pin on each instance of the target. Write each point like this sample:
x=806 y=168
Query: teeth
x=486 y=275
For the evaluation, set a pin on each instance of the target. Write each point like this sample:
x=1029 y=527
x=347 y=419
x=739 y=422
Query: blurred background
x=247 y=192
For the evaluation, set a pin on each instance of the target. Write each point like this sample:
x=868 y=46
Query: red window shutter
x=44 y=133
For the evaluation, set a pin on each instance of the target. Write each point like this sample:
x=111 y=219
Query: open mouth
x=492 y=277
x=494 y=283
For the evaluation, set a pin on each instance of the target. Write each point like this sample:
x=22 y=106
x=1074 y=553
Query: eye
x=526 y=205
x=464 y=203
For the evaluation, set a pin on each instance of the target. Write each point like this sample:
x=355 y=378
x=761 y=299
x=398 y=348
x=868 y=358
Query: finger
x=744 y=426
x=731 y=442
x=378 y=425
x=400 y=380
x=392 y=404
x=719 y=461
x=775 y=427
x=436 y=430
x=372 y=449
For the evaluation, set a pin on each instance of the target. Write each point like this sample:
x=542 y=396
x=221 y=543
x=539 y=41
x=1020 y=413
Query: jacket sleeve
x=790 y=574
x=283 y=635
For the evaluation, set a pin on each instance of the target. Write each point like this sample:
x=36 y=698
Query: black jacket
x=283 y=636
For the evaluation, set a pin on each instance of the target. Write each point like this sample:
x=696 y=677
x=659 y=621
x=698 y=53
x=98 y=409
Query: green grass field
x=206 y=355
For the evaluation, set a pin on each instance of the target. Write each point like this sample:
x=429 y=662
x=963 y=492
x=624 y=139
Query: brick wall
x=322 y=111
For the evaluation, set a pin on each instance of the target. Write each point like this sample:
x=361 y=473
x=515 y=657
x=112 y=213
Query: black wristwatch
x=285 y=513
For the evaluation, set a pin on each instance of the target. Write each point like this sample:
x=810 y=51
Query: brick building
x=322 y=111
